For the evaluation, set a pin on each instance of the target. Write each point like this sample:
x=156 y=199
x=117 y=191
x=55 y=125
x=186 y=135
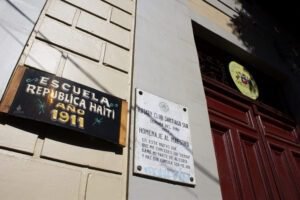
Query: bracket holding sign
x=44 y=97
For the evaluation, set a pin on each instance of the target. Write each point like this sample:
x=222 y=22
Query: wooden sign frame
x=106 y=130
x=12 y=89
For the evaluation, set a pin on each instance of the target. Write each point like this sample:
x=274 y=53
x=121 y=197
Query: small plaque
x=163 y=147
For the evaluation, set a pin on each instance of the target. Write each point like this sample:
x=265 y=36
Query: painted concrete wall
x=89 y=42
x=17 y=19
x=166 y=64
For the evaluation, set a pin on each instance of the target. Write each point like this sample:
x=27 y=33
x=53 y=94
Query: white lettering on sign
x=79 y=97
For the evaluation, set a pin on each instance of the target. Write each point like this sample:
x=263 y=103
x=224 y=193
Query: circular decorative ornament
x=163 y=107
x=243 y=80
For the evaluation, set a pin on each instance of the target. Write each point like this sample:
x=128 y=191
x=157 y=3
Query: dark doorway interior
x=256 y=142
x=214 y=64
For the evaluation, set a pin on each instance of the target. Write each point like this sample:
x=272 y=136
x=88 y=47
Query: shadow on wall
x=84 y=72
x=268 y=33
x=43 y=130
x=270 y=37
x=265 y=31
x=56 y=133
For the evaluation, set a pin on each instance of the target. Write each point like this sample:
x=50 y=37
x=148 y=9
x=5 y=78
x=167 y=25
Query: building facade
x=178 y=50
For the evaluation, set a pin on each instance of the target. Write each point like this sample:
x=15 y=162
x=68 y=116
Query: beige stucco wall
x=215 y=16
x=89 y=42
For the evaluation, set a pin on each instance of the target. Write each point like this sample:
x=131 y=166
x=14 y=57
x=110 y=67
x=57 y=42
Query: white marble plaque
x=163 y=147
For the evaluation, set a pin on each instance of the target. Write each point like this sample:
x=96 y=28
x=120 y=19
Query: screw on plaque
x=140 y=92
x=184 y=109
x=191 y=179
x=139 y=168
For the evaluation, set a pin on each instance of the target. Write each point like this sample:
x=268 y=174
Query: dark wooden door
x=257 y=148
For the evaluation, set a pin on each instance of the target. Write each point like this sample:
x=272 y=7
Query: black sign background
x=38 y=107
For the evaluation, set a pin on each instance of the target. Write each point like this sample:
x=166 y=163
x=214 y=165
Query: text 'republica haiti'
x=70 y=94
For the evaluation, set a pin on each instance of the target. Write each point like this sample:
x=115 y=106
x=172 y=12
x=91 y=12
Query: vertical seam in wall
x=102 y=53
x=38 y=147
x=83 y=184
x=27 y=49
x=76 y=18
x=61 y=65
x=131 y=101
x=109 y=14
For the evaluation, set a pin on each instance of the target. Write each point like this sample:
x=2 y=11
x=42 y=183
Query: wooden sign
x=44 y=97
